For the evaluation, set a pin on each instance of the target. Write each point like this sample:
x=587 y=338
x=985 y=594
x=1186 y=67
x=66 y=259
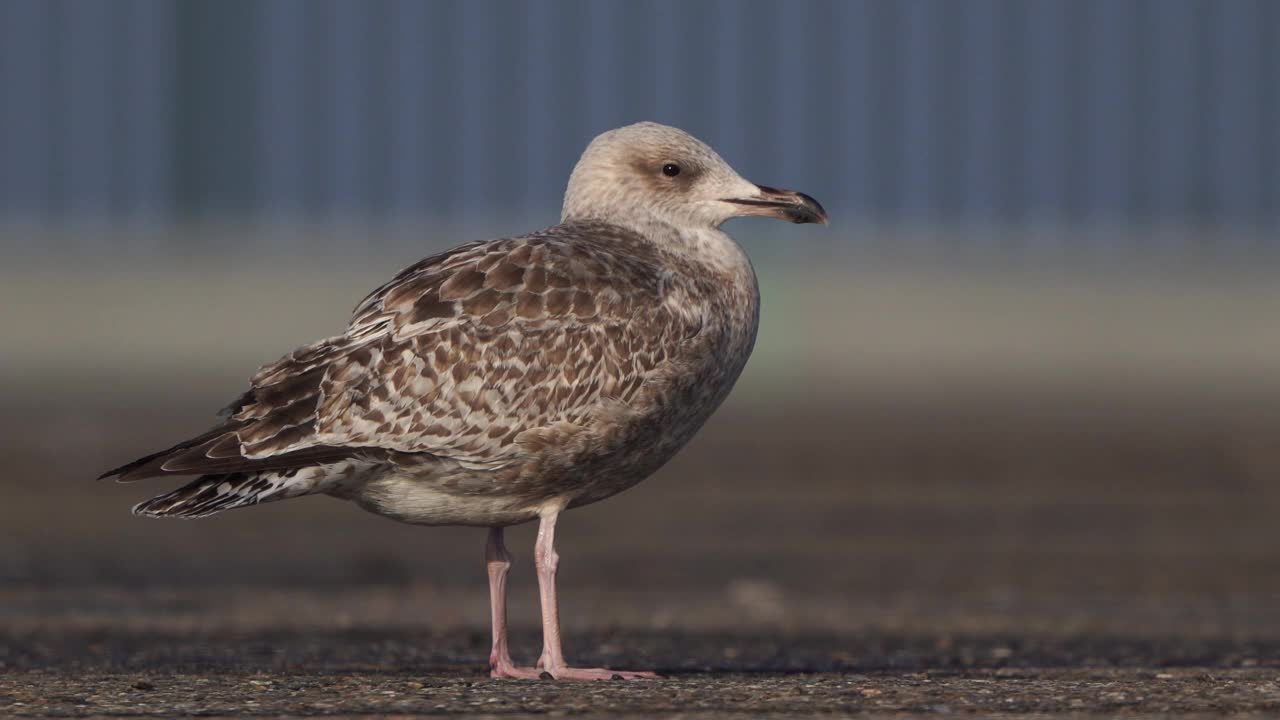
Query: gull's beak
x=783 y=204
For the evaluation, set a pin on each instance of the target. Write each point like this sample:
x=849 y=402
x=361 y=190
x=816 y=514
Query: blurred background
x=1025 y=382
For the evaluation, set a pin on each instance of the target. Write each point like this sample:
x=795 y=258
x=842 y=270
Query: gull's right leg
x=552 y=660
x=498 y=561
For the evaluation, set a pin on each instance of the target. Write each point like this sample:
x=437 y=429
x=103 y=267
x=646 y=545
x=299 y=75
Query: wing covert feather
x=464 y=350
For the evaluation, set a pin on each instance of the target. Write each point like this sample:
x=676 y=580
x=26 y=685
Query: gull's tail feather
x=209 y=494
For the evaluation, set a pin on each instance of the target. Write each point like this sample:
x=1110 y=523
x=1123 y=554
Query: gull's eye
x=671 y=169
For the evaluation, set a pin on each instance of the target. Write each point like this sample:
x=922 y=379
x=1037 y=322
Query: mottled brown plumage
x=497 y=371
x=506 y=380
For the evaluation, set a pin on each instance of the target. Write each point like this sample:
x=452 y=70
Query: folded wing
x=455 y=357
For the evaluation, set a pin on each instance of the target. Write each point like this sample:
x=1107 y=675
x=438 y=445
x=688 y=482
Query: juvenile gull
x=511 y=379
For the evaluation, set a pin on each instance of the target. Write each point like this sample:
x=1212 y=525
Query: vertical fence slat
x=26 y=109
x=851 y=169
x=1044 y=44
x=794 y=87
x=349 y=98
x=603 y=91
x=147 y=108
x=1235 y=111
x=727 y=83
x=981 y=173
x=82 y=173
x=409 y=122
x=920 y=39
x=1267 y=166
x=540 y=117
x=1110 y=113
x=1174 y=110
x=280 y=124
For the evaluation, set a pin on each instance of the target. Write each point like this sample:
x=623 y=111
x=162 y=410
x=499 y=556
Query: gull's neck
x=700 y=244
x=715 y=249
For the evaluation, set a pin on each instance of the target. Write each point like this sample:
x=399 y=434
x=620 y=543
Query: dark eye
x=671 y=169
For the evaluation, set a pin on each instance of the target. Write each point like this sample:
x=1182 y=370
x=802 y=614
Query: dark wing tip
x=148 y=466
x=124 y=470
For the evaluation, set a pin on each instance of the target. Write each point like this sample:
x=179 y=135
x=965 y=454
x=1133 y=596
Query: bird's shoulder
x=573 y=272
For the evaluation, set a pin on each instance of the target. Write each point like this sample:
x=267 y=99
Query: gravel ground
x=1102 y=692
x=1038 y=556
x=355 y=673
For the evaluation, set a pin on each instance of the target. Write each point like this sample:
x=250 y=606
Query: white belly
x=417 y=500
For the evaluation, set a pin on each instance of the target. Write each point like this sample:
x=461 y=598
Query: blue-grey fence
x=933 y=110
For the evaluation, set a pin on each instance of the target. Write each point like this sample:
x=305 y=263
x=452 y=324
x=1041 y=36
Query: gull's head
x=649 y=173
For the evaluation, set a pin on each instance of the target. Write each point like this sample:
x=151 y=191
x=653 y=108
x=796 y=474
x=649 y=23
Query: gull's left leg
x=498 y=562
x=552 y=660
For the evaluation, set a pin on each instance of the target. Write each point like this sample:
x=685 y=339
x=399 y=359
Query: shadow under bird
x=509 y=380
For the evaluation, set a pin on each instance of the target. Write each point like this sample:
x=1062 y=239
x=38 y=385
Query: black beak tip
x=809 y=211
x=796 y=207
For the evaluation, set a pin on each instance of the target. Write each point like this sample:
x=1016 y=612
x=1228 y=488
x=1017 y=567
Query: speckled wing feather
x=459 y=355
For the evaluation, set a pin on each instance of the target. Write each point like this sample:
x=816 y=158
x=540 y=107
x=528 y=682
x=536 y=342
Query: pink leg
x=552 y=660
x=498 y=561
